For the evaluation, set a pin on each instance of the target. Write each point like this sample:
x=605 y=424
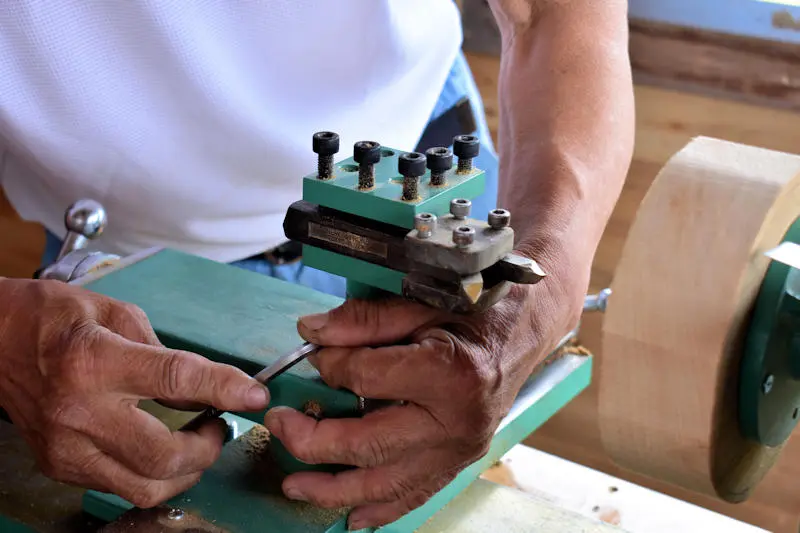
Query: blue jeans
x=459 y=84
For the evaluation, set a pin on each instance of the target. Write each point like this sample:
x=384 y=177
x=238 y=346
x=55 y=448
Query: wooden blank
x=689 y=274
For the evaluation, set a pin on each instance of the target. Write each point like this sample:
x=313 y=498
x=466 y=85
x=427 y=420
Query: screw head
x=460 y=207
x=325 y=143
x=439 y=159
x=175 y=514
x=411 y=164
x=466 y=146
x=769 y=381
x=499 y=218
x=86 y=217
x=463 y=236
x=367 y=152
x=425 y=224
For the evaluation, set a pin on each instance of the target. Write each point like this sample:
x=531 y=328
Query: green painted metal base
x=384 y=202
x=769 y=391
x=241 y=492
x=248 y=320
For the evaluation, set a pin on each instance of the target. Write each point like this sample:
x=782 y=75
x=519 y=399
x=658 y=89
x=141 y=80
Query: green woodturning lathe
x=388 y=221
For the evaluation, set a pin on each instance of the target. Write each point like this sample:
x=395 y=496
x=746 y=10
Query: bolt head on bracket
x=367 y=152
x=325 y=143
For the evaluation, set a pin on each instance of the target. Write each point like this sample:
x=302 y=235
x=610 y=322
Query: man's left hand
x=457 y=376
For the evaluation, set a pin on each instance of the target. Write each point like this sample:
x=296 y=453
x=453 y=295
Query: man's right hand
x=74 y=366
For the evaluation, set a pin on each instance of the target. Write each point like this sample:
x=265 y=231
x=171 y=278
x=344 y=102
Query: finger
x=364 y=322
x=147 y=447
x=129 y=321
x=104 y=474
x=386 y=373
x=378 y=438
x=400 y=483
x=379 y=514
x=175 y=376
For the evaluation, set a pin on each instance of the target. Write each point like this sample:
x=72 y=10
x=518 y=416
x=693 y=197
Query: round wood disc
x=673 y=330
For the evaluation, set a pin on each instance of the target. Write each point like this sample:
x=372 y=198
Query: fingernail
x=294 y=494
x=314 y=322
x=273 y=422
x=355 y=524
x=257 y=397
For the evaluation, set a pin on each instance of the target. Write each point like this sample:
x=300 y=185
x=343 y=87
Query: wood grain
x=759 y=71
x=673 y=332
x=666 y=121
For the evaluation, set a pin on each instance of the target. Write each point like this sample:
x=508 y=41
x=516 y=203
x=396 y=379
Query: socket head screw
x=460 y=208
x=425 y=224
x=366 y=152
x=463 y=236
x=499 y=219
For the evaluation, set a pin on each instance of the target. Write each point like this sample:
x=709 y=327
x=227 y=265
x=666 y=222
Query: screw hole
x=464 y=229
x=326 y=134
x=461 y=201
x=440 y=151
x=425 y=216
x=796 y=413
x=349 y=168
x=387 y=153
x=499 y=212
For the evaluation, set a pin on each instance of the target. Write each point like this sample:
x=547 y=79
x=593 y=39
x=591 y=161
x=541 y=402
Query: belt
x=458 y=120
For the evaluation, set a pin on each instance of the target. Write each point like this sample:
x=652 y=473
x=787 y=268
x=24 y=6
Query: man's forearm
x=566 y=120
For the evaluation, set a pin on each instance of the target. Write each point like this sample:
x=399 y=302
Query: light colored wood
x=666 y=120
x=612 y=500
x=485 y=506
x=689 y=275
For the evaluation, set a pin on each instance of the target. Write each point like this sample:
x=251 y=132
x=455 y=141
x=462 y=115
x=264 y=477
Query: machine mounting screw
x=460 y=208
x=440 y=160
x=366 y=154
x=466 y=148
x=425 y=224
x=411 y=166
x=463 y=236
x=325 y=144
x=175 y=514
x=499 y=218
x=769 y=381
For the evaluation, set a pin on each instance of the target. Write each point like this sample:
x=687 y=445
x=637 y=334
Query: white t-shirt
x=191 y=121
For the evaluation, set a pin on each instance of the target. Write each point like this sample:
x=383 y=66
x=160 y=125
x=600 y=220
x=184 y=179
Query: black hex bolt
x=326 y=145
x=440 y=160
x=466 y=148
x=411 y=166
x=366 y=154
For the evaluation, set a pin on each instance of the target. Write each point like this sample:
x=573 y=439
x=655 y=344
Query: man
x=191 y=122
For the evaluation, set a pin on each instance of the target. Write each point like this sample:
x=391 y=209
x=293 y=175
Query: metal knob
x=85 y=220
x=596 y=302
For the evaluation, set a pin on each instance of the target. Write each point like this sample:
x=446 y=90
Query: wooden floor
x=665 y=123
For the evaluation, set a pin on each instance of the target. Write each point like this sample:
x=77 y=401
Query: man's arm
x=566 y=123
x=565 y=141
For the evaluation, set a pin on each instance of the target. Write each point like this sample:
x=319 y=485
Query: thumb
x=179 y=377
x=366 y=322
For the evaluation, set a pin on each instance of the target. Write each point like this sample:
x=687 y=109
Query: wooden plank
x=755 y=70
x=486 y=506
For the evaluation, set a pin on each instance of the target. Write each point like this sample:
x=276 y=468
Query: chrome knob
x=85 y=220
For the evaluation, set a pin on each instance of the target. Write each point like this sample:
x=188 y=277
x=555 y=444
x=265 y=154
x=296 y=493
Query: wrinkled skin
x=72 y=373
x=457 y=376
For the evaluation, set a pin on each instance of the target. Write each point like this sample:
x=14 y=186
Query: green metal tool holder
x=380 y=200
x=769 y=387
